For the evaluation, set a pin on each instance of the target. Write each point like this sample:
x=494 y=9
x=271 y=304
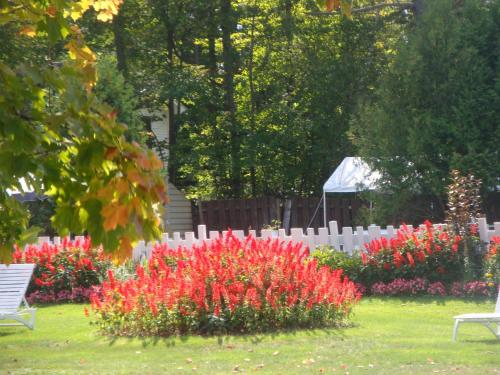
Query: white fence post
x=311 y=238
x=348 y=240
x=297 y=234
x=323 y=237
x=483 y=229
x=334 y=235
x=202 y=232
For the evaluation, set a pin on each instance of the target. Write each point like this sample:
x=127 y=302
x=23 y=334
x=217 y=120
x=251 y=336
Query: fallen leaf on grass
x=276 y=352
x=308 y=361
x=189 y=360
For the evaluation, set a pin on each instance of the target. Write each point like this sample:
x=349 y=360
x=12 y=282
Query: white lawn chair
x=14 y=280
x=489 y=320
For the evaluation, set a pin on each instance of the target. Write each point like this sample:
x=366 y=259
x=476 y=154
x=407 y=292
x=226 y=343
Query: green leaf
x=29 y=236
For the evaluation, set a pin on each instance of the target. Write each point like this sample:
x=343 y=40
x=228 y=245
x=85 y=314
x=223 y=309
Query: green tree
x=438 y=107
x=112 y=89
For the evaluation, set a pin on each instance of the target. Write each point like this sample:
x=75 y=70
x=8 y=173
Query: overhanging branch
x=368 y=8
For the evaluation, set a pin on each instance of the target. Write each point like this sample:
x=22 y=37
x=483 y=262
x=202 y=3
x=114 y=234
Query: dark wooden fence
x=256 y=213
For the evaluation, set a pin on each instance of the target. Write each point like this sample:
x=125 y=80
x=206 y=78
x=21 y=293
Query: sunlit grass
x=390 y=336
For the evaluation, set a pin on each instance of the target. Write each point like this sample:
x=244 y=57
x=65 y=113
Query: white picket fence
x=348 y=240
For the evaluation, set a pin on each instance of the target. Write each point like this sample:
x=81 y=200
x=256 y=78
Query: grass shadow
x=492 y=341
x=225 y=339
x=10 y=332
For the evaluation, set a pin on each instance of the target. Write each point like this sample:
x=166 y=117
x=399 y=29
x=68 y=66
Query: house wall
x=178 y=217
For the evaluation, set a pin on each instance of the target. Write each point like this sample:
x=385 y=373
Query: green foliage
x=335 y=259
x=40 y=212
x=296 y=79
x=56 y=134
x=112 y=89
x=437 y=108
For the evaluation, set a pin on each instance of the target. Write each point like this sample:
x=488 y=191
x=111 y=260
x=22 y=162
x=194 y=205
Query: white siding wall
x=178 y=210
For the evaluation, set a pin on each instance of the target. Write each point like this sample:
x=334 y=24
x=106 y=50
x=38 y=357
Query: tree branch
x=368 y=8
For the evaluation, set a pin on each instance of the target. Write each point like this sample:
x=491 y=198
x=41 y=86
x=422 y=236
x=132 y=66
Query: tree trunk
x=172 y=126
x=120 y=49
x=253 y=182
x=229 y=56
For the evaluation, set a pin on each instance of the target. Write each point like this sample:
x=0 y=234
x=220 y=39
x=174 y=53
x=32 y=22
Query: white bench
x=14 y=280
x=489 y=320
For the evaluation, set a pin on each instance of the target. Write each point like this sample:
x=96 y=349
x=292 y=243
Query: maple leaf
x=28 y=31
x=111 y=152
x=332 y=5
x=51 y=11
x=122 y=186
x=124 y=251
x=156 y=163
x=5 y=254
x=114 y=214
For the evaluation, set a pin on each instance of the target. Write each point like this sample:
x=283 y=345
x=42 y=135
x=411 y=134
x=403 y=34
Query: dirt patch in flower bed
x=226 y=286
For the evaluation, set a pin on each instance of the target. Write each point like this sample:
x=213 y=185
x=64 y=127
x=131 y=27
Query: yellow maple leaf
x=79 y=8
x=106 y=9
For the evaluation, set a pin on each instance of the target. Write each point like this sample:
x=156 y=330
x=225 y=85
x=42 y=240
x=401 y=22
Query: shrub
x=227 y=285
x=335 y=259
x=422 y=253
x=65 y=272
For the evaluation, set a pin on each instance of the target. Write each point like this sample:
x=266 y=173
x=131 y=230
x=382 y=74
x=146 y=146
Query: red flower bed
x=65 y=272
x=225 y=286
x=422 y=253
x=419 y=286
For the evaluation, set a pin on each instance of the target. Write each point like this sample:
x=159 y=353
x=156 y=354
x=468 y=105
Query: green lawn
x=390 y=336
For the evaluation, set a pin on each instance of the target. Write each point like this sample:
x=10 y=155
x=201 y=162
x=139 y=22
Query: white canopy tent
x=351 y=176
x=25 y=188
